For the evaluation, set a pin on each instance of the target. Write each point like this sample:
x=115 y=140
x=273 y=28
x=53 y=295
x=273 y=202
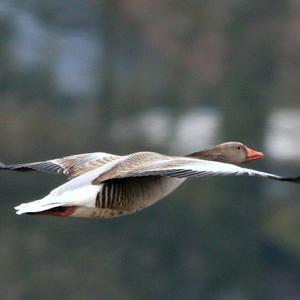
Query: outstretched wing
x=189 y=167
x=71 y=166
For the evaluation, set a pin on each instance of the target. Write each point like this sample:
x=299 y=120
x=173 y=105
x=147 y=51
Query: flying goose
x=103 y=185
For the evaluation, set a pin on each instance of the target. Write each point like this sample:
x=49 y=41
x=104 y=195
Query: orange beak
x=253 y=155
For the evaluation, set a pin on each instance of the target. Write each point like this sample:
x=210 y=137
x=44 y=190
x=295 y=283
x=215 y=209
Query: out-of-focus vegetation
x=169 y=76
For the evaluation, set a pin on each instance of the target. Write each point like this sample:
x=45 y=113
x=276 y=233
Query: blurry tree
x=209 y=239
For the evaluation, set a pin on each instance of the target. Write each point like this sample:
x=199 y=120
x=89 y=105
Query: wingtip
x=292 y=179
x=4 y=166
x=297 y=179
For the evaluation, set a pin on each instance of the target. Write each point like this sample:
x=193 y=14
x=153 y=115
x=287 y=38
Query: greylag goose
x=104 y=185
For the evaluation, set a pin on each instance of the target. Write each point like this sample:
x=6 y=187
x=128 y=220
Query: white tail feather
x=84 y=196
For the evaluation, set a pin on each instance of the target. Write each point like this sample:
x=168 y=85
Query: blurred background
x=170 y=76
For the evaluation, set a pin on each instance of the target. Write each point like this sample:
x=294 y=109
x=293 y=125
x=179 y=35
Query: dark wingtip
x=291 y=179
x=14 y=167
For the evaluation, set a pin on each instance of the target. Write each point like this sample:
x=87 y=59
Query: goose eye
x=239 y=147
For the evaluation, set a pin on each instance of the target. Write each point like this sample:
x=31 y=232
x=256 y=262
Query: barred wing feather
x=71 y=166
x=188 y=167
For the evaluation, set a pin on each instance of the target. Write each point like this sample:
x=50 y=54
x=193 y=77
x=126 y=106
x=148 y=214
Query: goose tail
x=62 y=205
x=42 y=205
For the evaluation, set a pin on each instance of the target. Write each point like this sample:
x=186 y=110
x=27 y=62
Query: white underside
x=78 y=191
x=83 y=196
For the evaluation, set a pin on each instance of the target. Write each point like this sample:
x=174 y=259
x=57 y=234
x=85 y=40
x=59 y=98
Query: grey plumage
x=104 y=185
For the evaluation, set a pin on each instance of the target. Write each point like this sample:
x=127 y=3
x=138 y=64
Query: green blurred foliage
x=215 y=238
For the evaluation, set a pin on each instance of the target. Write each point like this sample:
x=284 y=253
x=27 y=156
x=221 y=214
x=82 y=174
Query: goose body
x=104 y=185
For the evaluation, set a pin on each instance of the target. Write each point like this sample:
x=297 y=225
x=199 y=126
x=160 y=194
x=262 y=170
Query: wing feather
x=71 y=166
x=189 y=167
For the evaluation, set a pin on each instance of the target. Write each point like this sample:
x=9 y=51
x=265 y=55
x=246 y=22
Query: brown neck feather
x=211 y=154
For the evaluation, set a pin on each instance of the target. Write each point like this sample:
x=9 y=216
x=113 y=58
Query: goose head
x=230 y=152
x=237 y=153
